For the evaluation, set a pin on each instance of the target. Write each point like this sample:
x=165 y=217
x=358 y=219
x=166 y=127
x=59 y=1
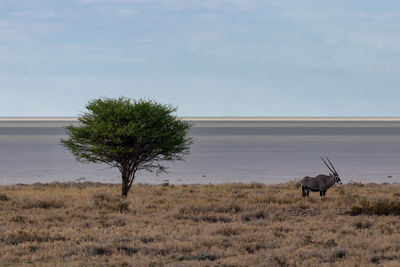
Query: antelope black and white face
x=337 y=179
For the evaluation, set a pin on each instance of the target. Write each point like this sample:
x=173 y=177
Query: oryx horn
x=327 y=165
x=331 y=165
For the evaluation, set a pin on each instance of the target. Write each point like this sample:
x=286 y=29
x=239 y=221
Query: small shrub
x=257 y=215
x=215 y=219
x=253 y=247
x=183 y=257
x=380 y=207
x=362 y=225
x=375 y=259
x=228 y=231
x=118 y=222
x=4 y=198
x=256 y=186
x=277 y=260
x=44 y=203
x=33 y=248
x=207 y=256
x=282 y=229
x=231 y=208
x=386 y=229
x=330 y=243
x=54 y=219
x=154 y=251
x=19 y=219
x=22 y=236
x=337 y=255
x=210 y=219
x=307 y=239
x=99 y=198
x=309 y=254
x=123 y=206
x=224 y=219
x=108 y=221
x=50 y=204
x=147 y=239
x=97 y=250
x=129 y=251
x=71 y=252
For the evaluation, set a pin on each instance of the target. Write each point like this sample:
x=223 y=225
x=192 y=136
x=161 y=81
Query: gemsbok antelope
x=321 y=182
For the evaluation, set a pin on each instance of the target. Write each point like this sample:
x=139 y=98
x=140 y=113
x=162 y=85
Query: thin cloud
x=378 y=16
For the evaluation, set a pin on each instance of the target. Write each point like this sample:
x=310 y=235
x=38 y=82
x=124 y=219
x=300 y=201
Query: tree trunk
x=125 y=184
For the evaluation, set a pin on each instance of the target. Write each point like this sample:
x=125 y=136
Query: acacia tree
x=129 y=135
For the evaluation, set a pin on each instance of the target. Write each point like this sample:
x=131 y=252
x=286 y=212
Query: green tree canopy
x=129 y=135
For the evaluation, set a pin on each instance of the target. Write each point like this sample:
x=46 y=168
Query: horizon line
x=217 y=118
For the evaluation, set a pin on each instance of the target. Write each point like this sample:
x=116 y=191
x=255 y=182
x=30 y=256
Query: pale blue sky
x=208 y=57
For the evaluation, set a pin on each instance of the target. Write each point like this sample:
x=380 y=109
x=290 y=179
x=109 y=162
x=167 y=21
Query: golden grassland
x=88 y=224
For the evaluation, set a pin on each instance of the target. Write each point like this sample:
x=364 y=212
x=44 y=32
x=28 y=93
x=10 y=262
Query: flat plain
x=88 y=224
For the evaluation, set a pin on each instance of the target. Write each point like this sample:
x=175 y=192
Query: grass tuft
x=106 y=200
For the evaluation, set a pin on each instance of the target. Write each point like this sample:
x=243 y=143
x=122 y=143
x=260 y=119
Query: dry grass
x=88 y=224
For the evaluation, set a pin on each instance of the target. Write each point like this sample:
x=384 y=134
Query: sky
x=208 y=58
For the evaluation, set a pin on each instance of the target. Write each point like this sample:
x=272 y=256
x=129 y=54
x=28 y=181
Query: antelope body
x=321 y=182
